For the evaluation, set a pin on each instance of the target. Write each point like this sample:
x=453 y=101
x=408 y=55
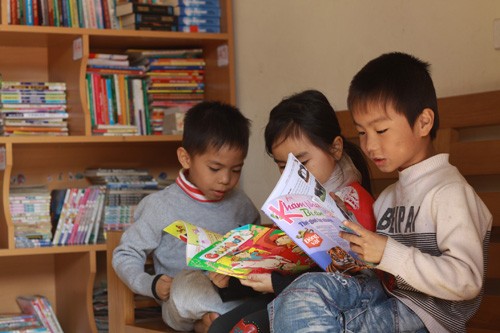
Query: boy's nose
x=224 y=178
x=370 y=143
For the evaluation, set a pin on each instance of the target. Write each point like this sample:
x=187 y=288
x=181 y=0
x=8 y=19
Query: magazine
x=302 y=208
x=242 y=251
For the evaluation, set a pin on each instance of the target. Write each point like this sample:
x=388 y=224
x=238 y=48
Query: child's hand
x=367 y=244
x=259 y=282
x=163 y=287
x=220 y=280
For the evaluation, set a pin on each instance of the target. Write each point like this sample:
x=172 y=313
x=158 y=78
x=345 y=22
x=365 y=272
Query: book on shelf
x=40 y=307
x=242 y=251
x=153 y=9
x=199 y=28
x=211 y=3
x=21 y=323
x=302 y=208
x=211 y=11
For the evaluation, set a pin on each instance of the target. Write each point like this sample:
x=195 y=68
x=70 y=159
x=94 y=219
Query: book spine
x=36 y=18
x=106 y=14
x=81 y=13
x=109 y=99
x=147 y=119
x=90 y=98
x=153 y=9
x=118 y=93
x=28 y=11
x=148 y=18
x=99 y=14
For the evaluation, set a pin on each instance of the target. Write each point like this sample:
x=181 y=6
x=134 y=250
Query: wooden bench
x=470 y=133
x=122 y=302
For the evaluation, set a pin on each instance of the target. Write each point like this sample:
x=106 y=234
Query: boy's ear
x=425 y=122
x=183 y=157
x=337 y=148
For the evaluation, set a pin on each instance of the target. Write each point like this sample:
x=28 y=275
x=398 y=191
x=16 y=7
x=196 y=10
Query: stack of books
x=197 y=15
x=116 y=96
x=30 y=214
x=33 y=108
x=146 y=16
x=175 y=79
x=125 y=188
x=77 y=214
x=40 y=307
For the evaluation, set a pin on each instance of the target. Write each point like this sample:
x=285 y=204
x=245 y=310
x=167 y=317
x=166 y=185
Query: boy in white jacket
x=432 y=228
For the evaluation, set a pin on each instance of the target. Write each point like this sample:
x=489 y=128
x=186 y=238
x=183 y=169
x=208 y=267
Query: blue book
x=200 y=28
x=196 y=20
x=29 y=12
x=197 y=11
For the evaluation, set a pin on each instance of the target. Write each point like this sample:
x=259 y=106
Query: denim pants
x=333 y=302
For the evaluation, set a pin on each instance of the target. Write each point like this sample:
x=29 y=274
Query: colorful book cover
x=243 y=251
x=302 y=208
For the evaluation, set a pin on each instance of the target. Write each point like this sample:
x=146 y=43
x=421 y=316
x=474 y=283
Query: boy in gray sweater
x=214 y=146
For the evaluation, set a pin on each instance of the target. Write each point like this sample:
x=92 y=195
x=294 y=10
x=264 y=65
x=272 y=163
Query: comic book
x=242 y=251
x=311 y=217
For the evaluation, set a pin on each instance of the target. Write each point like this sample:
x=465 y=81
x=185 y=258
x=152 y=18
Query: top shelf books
x=164 y=15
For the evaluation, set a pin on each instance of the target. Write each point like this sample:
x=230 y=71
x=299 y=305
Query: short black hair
x=213 y=124
x=309 y=113
x=396 y=79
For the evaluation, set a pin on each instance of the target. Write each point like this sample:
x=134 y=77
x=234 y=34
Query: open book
x=242 y=251
x=302 y=208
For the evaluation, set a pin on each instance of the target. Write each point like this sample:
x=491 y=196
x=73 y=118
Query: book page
x=196 y=238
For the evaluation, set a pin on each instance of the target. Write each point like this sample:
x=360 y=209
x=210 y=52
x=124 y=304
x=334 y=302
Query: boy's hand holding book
x=368 y=245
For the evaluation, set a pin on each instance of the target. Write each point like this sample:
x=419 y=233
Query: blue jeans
x=333 y=302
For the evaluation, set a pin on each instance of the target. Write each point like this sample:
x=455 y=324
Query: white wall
x=284 y=46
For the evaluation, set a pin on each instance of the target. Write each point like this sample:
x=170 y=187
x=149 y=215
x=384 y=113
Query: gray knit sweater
x=146 y=236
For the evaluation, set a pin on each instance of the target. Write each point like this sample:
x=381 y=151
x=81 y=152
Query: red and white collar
x=189 y=188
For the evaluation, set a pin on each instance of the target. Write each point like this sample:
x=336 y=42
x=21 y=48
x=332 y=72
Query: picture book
x=242 y=251
x=312 y=218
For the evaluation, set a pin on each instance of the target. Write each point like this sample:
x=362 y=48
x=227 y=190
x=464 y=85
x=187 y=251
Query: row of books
x=77 y=215
x=190 y=15
x=143 y=91
x=64 y=13
x=170 y=15
x=125 y=188
x=33 y=108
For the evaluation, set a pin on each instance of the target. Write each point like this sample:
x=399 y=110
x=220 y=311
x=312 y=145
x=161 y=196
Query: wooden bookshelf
x=67 y=274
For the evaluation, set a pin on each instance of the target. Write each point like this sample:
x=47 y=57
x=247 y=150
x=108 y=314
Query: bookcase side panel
x=74 y=279
x=65 y=54
x=218 y=79
x=6 y=227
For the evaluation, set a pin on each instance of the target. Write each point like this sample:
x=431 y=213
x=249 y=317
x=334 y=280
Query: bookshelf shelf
x=66 y=275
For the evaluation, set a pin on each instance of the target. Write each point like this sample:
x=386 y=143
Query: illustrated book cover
x=302 y=208
x=242 y=251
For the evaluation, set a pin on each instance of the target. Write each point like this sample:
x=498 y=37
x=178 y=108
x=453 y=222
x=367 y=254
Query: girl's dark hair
x=214 y=124
x=309 y=113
